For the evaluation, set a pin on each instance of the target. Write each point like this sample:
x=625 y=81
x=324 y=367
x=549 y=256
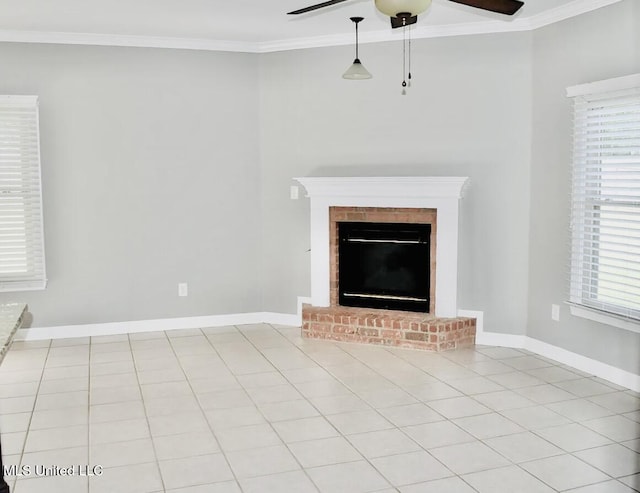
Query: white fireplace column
x=441 y=193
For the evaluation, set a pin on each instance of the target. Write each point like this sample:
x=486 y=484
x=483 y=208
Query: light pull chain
x=409 y=76
x=404 y=59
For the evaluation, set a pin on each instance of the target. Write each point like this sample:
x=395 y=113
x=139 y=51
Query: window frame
x=30 y=171
x=588 y=236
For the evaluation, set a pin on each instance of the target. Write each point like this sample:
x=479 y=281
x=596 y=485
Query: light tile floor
x=256 y=408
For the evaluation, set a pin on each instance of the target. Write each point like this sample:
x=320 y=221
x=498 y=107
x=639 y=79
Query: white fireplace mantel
x=433 y=192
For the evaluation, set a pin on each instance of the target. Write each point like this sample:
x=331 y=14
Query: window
x=605 y=255
x=22 y=264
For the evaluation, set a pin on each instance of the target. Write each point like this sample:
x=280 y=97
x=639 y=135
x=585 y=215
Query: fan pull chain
x=404 y=59
x=409 y=76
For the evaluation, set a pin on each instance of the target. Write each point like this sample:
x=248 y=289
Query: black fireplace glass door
x=384 y=265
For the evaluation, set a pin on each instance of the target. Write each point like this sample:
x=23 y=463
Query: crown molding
x=131 y=41
x=573 y=9
x=421 y=32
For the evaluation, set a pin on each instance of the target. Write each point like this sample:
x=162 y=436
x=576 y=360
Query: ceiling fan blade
x=315 y=7
x=400 y=21
x=508 y=7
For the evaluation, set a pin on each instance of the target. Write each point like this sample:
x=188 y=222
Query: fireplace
x=384 y=265
x=378 y=214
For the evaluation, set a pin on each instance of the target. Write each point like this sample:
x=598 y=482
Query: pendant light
x=356 y=71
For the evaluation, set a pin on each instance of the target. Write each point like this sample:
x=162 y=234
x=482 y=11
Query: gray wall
x=467 y=114
x=594 y=46
x=150 y=166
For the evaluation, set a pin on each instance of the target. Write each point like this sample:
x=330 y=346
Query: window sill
x=22 y=286
x=604 y=318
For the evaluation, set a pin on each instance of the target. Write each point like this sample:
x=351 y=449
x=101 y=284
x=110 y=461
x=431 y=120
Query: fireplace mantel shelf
x=385 y=186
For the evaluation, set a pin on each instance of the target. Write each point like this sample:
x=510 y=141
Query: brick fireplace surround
x=423 y=331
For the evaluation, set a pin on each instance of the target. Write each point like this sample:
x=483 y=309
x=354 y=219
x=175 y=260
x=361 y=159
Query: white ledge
x=608 y=85
x=603 y=317
x=404 y=186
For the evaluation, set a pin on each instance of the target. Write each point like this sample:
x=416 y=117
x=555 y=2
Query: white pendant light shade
x=356 y=71
x=394 y=7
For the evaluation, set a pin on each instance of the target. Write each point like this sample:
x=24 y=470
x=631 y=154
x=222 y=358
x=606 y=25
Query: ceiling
x=251 y=25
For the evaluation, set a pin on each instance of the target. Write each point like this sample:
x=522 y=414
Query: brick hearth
x=387 y=327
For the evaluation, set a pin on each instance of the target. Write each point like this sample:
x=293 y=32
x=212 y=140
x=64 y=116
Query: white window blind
x=605 y=255
x=22 y=265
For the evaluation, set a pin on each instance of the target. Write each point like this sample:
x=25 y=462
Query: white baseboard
x=285 y=318
x=502 y=340
x=582 y=363
x=280 y=319
x=575 y=360
x=491 y=338
x=112 y=328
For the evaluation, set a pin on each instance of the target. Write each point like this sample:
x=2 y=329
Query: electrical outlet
x=183 y=289
x=555 y=312
x=294 y=192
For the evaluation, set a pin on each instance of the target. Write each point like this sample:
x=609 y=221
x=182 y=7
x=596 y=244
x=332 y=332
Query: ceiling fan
x=405 y=12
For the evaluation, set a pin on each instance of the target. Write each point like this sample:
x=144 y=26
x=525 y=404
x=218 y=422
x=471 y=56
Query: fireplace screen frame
x=343 y=213
x=385 y=265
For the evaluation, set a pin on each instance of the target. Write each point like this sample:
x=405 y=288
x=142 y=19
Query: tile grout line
x=153 y=445
x=321 y=414
x=89 y=425
x=565 y=452
x=306 y=399
x=533 y=431
x=202 y=410
x=286 y=445
x=33 y=410
x=372 y=408
x=450 y=420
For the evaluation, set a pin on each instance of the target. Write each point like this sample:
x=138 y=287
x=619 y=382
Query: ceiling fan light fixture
x=408 y=8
